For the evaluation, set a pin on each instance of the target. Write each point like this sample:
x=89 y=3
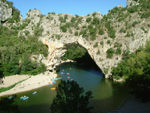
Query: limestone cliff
x=5 y=11
x=131 y=32
x=132 y=2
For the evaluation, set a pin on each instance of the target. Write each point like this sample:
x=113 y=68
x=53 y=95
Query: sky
x=79 y=7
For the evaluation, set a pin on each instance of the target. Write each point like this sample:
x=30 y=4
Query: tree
x=70 y=99
x=110 y=53
x=8 y=105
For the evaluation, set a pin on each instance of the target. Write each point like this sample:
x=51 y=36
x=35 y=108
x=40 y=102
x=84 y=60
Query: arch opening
x=80 y=55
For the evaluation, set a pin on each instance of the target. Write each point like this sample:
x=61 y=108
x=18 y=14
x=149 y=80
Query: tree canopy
x=8 y=105
x=135 y=69
x=70 y=98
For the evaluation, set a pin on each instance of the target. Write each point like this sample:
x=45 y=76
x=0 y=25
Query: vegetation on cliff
x=16 y=52
x=135 y=69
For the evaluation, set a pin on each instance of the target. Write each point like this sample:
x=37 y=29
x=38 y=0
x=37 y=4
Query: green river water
x=108 y=95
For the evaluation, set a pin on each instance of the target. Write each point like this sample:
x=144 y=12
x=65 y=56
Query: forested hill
x=107 y=38
x=16 y=51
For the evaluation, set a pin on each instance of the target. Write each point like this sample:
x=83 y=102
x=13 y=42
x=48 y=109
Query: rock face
x=57 y=41
x=5 y=11
x=132 y=2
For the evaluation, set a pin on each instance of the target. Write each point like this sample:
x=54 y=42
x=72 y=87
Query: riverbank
x=32 y=82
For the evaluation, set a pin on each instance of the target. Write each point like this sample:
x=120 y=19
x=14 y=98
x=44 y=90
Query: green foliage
x=111 y=33
x=143 y=29
x=98 y=52
x=96 y=45
x=122 y=30
x=15 y=15
x=83 y=32
x=96 y=21
x=107 y=24
x=135 y=69
x=117 y=45
x=38 y=30
x=88 y=19
x=101 y=31
x=73 y=19
x=105 y=70
x=76 y=33
x=63 y=19
x=118 y=51
x=134 y=23
x=94 y=14
x=15 y=53
x=74 y=53
x=8 y=105
x=63 y=28
x=70 y=98
x=102 y=43
x=133 y=9
x=144 y=7
x=110 y=53
x=108 y=41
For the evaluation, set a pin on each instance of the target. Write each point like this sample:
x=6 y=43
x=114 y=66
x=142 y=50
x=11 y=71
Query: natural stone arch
x=56 y=49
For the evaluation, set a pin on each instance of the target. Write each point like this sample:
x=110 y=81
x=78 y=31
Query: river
x=108 y=95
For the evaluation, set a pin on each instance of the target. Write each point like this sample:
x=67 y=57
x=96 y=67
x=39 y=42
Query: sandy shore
x=32 y=82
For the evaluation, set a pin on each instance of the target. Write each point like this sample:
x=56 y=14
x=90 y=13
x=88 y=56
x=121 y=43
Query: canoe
x=57 y=78
x=34 y=93
x=25 y=98
x=53 y=88
x=11 y=97
x=68 y=74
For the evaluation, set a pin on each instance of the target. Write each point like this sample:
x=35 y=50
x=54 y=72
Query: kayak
x=24 y=97
x=57 y=78
x=53 y=88
x=11 y=97
x=34 y=92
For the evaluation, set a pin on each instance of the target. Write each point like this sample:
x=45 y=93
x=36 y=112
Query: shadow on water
x=41 y=108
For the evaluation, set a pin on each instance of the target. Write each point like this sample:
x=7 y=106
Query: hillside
x=106 y=37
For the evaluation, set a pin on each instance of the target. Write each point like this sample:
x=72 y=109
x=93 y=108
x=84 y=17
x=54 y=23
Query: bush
x=96 y=45
x=118 y=51
x=98 y=52
x=88 y=19
x=110 y=53
x=63 y=28
x=38 y=31
x=76 y=33
x=101 y=31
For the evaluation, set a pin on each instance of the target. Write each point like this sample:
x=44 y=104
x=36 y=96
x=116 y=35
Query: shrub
x=96 y=45
x=73 y=19
x=110 y=53
x=118 y=51
x=98 y=52
x=76 y=33
x=101 y=31
x=108 y=41
x=88 y=19
x=38 y=31
x=63 y=28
